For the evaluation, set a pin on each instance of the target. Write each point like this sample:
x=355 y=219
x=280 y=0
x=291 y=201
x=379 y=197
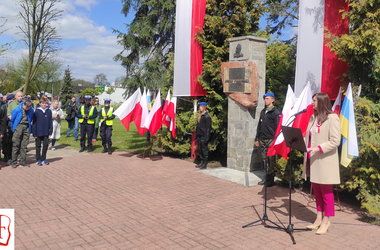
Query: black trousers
x=106 y=134
x=89 y=130
x=203 y=149
x=45 y=144
x=7 y=143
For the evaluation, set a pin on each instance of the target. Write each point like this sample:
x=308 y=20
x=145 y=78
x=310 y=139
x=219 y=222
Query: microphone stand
x=265 y=218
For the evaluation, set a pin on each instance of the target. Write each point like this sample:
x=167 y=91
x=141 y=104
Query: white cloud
x=86 y=3
x=85 y=61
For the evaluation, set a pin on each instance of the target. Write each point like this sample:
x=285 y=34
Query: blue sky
x=88 y=44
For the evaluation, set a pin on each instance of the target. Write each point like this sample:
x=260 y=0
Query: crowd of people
x=19 y=120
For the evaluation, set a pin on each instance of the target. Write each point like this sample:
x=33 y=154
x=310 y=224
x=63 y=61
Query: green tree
x=148 y=42
x=280 y=69
x=281 y=14
x=361 y=47
x=67 y=89
x=5 y=46
x=39 y=33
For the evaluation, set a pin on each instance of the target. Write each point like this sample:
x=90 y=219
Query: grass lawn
x=122 y=140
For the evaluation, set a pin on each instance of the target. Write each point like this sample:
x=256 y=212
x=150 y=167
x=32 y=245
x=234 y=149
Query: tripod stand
x=293 y=138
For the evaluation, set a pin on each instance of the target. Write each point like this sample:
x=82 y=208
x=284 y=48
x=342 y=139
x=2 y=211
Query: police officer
x=202 y=134
x=266 y=129
x=7 y=138
x=87 y=115
x=106 y=122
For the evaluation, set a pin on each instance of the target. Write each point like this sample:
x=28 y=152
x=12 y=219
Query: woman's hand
x=313 y=150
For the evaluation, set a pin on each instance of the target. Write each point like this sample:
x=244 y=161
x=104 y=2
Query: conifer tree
x=67 y=89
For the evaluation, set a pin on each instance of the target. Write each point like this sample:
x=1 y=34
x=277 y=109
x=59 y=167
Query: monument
x=244 y=82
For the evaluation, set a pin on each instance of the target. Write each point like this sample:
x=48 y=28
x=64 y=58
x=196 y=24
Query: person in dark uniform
x=87 y=115
x=266 y=129
x=8 y=133
x=106 y=122
x=202 y=134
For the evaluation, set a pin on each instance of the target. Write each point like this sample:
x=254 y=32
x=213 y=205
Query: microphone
x=301 y=112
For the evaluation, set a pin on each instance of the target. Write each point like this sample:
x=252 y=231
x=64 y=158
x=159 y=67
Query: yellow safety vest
x=89 y=121
x=110 y=111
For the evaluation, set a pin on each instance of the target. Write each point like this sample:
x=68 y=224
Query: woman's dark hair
x=324 y=107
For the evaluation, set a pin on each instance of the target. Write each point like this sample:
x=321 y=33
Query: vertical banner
x=315 y=61
x=187 y=52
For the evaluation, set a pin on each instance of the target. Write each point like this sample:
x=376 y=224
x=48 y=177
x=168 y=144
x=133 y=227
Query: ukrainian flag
x=348 y=129
x=149 y=100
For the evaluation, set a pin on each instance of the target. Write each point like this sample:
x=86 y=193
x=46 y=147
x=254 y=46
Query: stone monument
x=244 y=82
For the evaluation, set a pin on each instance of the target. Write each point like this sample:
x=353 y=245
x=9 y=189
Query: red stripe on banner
x=332 y=67
x=156 y=121
x=127 y=120
x=137 y=119
x=198 y=15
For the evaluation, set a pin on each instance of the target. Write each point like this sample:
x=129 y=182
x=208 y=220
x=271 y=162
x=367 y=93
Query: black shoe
x=76 y=139
x=270 y=181
x=204 y=165
x=199 y=165
x=261 y=182
x=89 y=150
x=81 y=150
x=104 y=149
x=14 y=165
x=24 y=164
x=109 y=151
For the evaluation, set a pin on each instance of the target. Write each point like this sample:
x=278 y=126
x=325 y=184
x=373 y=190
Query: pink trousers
x=324 y=198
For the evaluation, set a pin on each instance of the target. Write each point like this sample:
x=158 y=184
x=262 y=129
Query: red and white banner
x=338 y=102
x=126 y=112
x=315 y=61
x=154 y=121
x=166 y=119
x=187 y=52
x=171 y=113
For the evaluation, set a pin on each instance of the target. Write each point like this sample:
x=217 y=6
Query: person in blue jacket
x=21 y=119
x=42 y=130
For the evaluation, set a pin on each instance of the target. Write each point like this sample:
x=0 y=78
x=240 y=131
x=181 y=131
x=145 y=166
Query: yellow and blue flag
x=350 y=148
x=149 y=100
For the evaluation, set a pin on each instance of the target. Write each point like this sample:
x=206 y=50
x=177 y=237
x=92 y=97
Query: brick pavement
x=96 y=201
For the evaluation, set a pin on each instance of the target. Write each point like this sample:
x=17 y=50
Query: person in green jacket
x=106 y=122
x=95 y=102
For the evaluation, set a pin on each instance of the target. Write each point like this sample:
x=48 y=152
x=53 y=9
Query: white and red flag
x=171 y=113
x=187 y=52
x=154 y=121
x=144 y=111
x=338 y=102
x=126 y=112
x=166 y=119
x=315 y=61
x=288 y=112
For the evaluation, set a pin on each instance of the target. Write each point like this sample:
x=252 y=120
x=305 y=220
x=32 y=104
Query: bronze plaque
x=237 y=73
x=236 y=87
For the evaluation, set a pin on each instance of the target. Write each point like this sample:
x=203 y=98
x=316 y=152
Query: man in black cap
x=266 y=129
x=106 y=122
x=87 y=115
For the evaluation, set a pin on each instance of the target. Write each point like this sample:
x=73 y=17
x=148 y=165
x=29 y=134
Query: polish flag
x=338 y=102
x=187 y=52
x=154 y=121
x=126 y=111
x=315 y=61
x=144 y=112
x=171 y=113
x=288 y=112
x=166 y=119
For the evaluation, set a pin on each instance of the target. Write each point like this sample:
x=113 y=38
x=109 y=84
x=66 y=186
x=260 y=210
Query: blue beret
x=107 y=100
x=203 y=103
x=11 y=96
x=268 y=94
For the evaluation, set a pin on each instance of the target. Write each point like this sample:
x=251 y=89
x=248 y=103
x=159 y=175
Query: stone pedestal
x=242 y=122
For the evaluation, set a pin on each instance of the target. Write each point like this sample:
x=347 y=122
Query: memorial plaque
x=237 y=73
x=236 y=87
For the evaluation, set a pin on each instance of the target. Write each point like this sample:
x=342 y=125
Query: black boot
x=89 y=149
x=261 y=182
x=104 y=149
x=109 y=150
x=204 y=165
x=270 y=180
x=200 y=164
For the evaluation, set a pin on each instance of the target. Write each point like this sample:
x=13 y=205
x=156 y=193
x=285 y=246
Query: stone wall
x=242 y=122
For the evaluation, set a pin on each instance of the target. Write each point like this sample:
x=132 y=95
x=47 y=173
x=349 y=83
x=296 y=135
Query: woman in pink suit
x=321 y=161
